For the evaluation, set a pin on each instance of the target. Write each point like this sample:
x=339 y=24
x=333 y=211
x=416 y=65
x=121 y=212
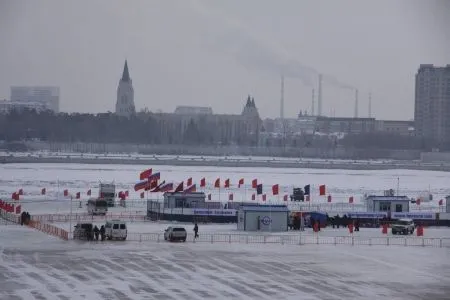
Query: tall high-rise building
x=125 y=95
x=432 y=103
x=46 y=96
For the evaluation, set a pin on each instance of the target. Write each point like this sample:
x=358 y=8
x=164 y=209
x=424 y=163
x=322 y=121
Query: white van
x=97 y=206
x=116 y=229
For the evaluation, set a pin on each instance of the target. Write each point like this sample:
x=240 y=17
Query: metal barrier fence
x=49 y=229
x=84 y=217
x=8 y=218
x=303 y=239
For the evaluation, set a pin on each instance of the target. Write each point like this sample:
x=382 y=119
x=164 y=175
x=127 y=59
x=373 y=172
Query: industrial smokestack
x=356 y=103
x=370 y=105
x=319 y=97
x=282 y=98
x=312 y=103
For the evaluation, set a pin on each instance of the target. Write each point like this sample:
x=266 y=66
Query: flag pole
x=70 y=219
x=270 y=214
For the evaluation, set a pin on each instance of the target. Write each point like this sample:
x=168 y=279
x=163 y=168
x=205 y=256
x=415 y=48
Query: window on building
x=385 y=206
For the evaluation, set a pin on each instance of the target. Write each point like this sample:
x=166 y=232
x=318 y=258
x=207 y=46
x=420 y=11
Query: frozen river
x=340 y=183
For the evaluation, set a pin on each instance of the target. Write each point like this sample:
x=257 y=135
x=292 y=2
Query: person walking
x=96 y=232
x=196 y=230
x=102 y=232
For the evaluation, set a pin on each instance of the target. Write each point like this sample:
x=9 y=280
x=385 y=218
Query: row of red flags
x=8 y=207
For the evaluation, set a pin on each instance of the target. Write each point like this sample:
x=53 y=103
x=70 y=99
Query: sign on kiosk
x=367 y=215
x=414 y=215
x=214 y=212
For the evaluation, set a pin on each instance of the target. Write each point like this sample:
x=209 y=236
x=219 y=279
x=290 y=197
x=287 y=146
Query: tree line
x=151 y=128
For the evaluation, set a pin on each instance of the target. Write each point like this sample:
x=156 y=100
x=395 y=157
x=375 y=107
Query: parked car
x=175 y=234
x=116 y=229
x=403 y=226
x=83 y=231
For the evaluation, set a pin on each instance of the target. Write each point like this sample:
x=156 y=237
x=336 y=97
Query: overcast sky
x=214 y=53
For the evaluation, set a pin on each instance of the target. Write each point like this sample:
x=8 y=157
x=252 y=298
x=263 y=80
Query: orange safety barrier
x=49 y=229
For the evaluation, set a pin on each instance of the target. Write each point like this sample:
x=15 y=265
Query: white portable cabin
x=263 y=218
x=184 y=200
x=389 y=204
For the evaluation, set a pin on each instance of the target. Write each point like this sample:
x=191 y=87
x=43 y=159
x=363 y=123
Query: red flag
x=180 y=187
x=154 y=184
x=253 y=197
x=66 y=193
x=14 y=196
x=89 y=192
x=43 y=191
x=18 y=209
x=154 y=177
x=120 y=194
x=166 y=187
x=254 y=183
x=285 y=197
x=77 y=195
x=209 y=196
x=322 y=190
x=20 y=192
x=189 y=181
x=203 y=182
x=441 y=202
x=264 y=197
x=230 y=197
x=418 y=201
x=217 y=183
x=307 y=198
x=350 y=199
x=241 y=182
x=329 y=198
x=275 y=189
x=155 y=187
x=227 y=183
x=143 y=184
x=145 y=174
x=190 y=189
x=142 y=195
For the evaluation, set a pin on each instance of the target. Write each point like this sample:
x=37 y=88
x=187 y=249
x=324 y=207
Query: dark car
x=175 y=234
x=83 y=231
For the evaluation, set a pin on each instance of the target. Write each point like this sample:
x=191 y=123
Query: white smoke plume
x=255 y=52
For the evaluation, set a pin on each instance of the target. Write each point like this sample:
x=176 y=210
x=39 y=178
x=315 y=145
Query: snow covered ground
x=36 y=266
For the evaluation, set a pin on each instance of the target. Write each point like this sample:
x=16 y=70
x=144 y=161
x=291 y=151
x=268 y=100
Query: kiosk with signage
x=263 y=218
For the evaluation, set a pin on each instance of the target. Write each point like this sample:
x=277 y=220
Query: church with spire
x=125 y=95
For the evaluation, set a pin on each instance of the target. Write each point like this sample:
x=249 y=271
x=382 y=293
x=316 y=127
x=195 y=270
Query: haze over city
x=209 y=53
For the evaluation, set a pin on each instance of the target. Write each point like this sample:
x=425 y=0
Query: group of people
x=344 y=221
x=298 y=222
x=100 y=232
x=25 y=218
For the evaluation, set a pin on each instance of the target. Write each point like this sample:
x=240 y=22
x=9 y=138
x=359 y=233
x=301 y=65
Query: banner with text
x=414 y=215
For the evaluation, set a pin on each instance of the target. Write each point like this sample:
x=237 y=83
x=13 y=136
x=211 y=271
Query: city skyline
x=199 y=53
